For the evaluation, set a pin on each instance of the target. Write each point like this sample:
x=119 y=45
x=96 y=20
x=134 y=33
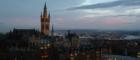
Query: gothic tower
x=45 y=21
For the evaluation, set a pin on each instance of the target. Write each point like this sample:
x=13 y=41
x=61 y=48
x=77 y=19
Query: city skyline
x=71 y=14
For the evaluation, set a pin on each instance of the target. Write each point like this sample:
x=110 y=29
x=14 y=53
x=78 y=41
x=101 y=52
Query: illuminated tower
x=45 y=21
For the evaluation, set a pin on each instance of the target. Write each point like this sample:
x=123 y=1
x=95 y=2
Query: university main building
x=29 y=44
x=44 y=24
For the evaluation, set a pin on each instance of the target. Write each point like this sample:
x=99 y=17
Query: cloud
x=87 y=22
x=117 y=21
x=123 y=3
x=112 y=13
x=118 y=14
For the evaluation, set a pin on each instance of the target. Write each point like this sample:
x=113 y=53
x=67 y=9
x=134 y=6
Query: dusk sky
x=71 y=14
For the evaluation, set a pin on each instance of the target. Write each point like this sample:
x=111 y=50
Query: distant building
x=45 y=21
x=118 y=57
x=74 y=40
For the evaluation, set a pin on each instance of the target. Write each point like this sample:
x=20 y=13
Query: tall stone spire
x=45 y=21
x=45 y=10
x=45 y=6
